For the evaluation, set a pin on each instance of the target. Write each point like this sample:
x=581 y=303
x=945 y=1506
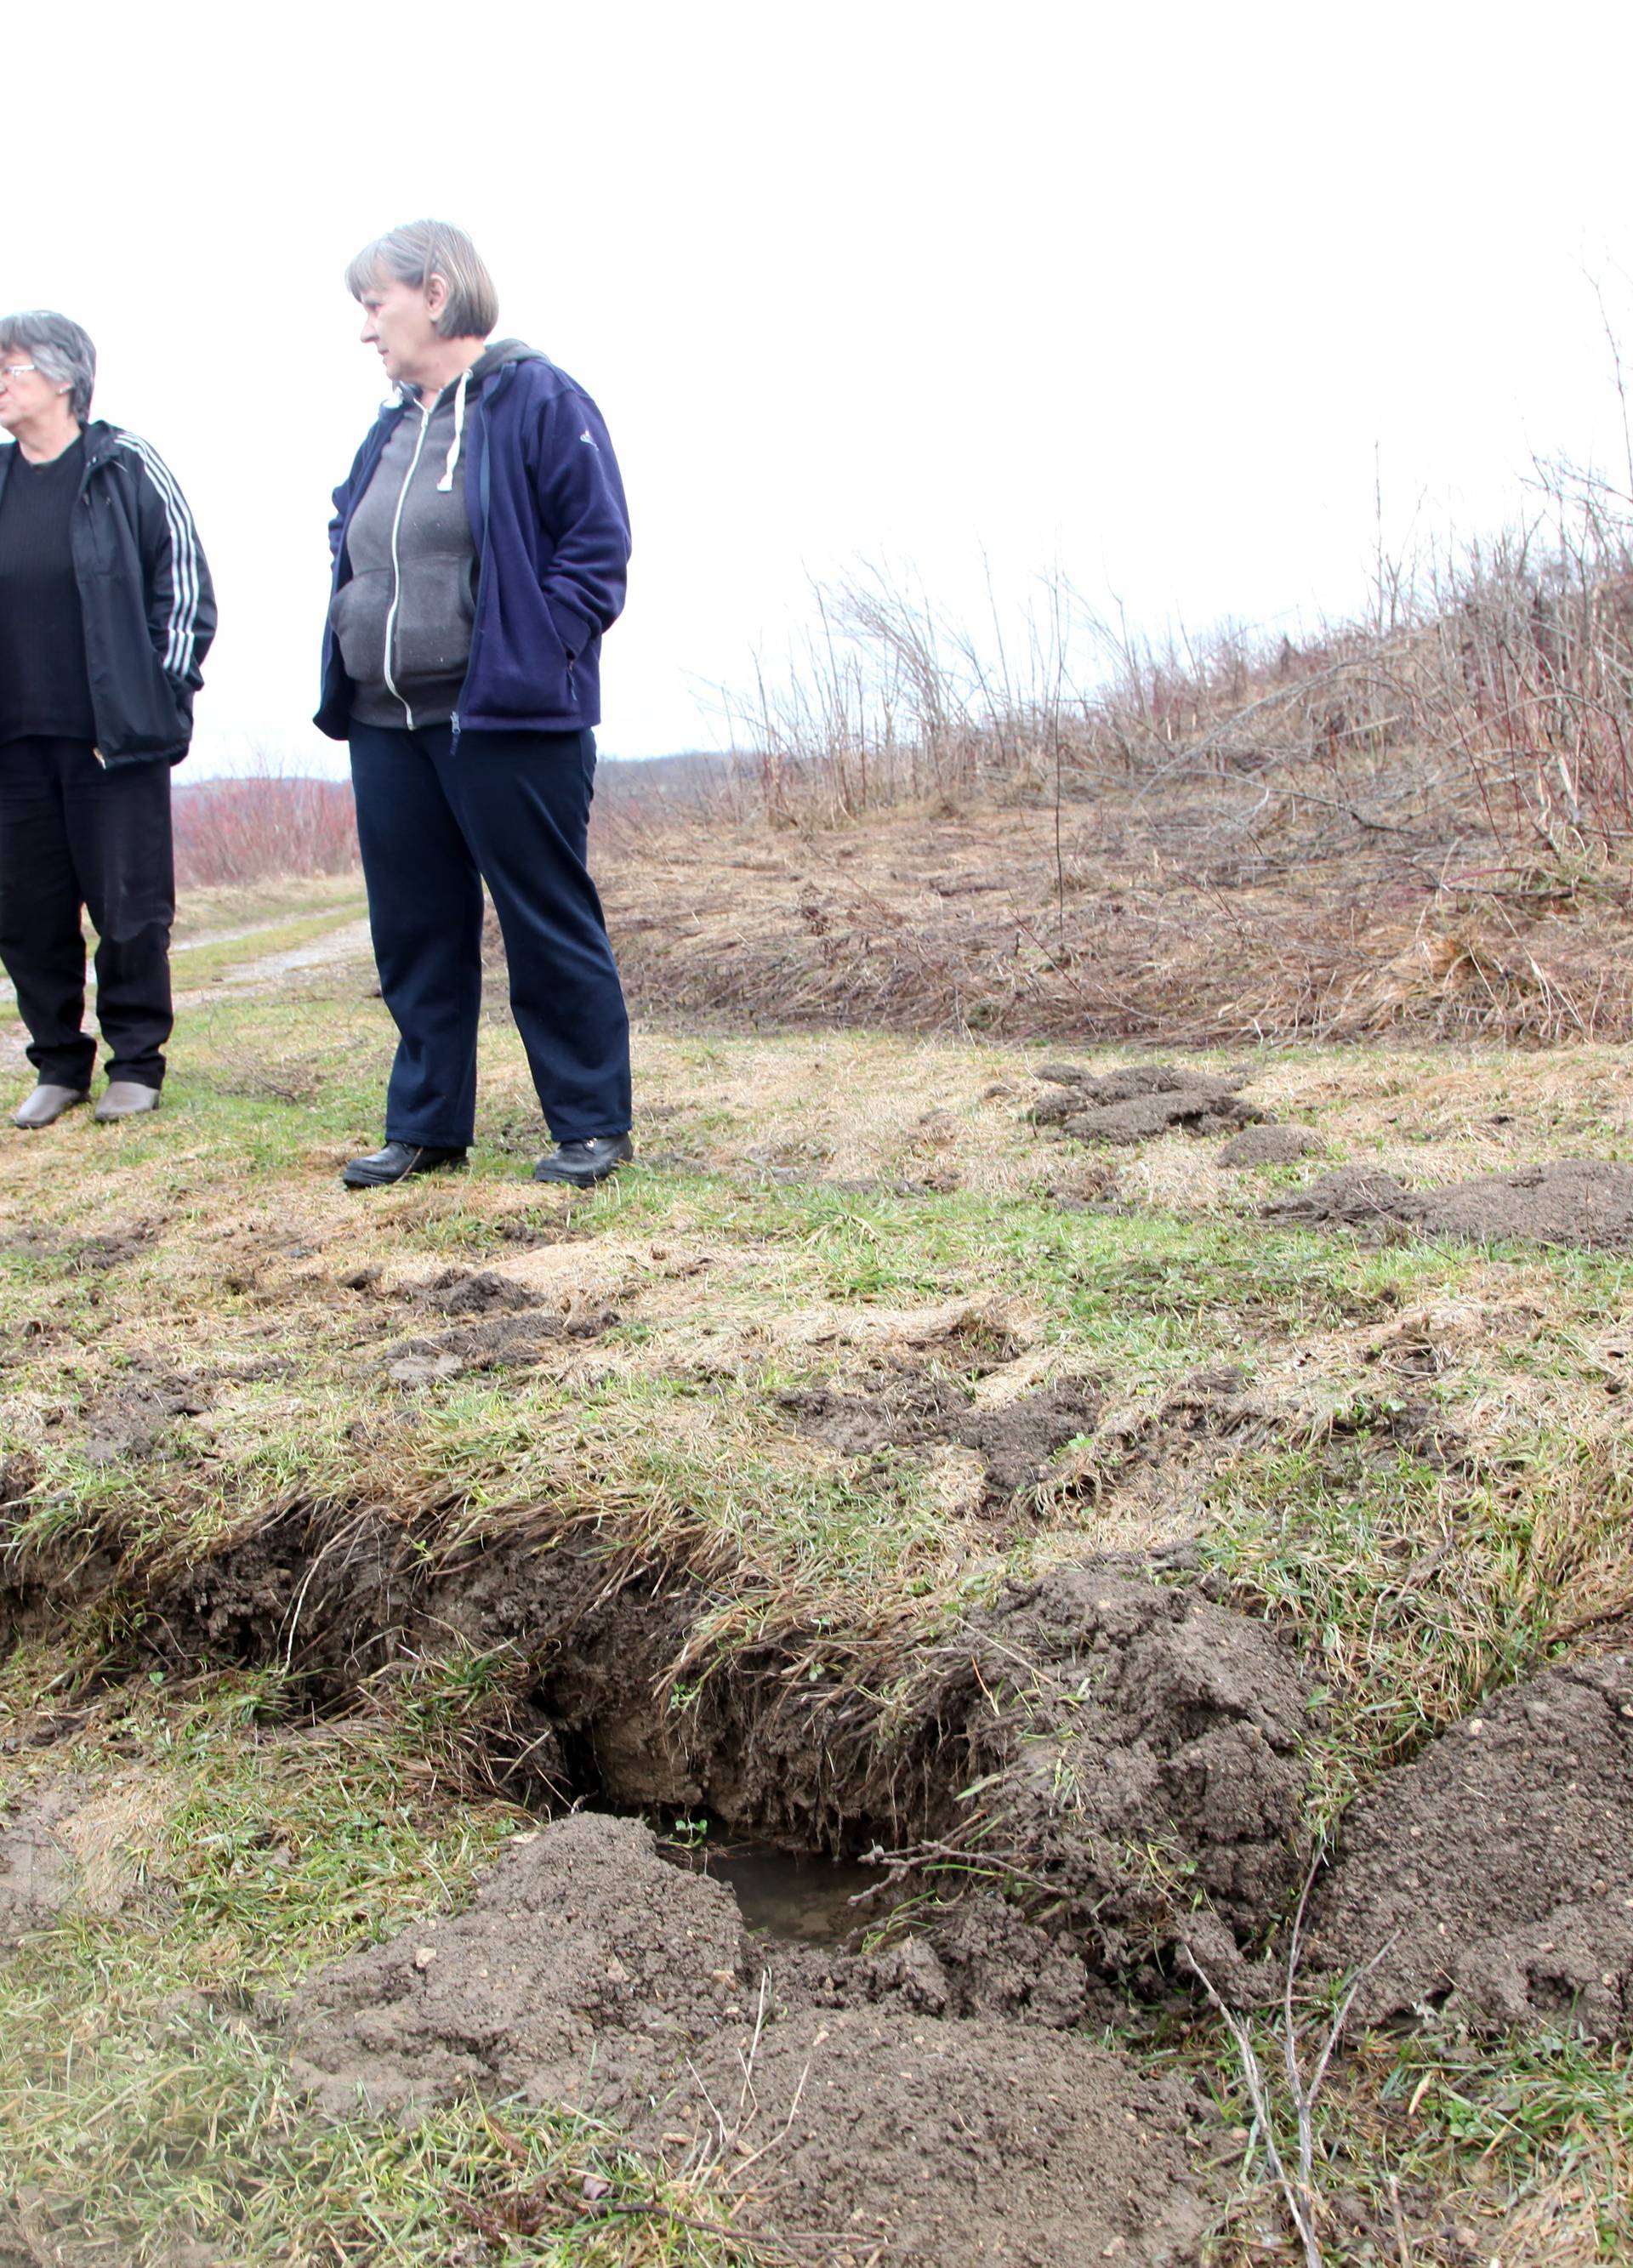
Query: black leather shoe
x=396 y=1163
x=583 y=1164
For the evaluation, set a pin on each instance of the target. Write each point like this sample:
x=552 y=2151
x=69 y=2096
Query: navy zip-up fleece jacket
x=552 y=536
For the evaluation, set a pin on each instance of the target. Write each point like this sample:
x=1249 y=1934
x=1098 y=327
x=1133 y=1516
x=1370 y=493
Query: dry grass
x=935 y=923
x=1415 y=824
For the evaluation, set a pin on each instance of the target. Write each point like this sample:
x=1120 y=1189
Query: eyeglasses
x=17 y=369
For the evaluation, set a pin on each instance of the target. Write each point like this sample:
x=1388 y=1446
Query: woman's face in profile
x=399 y=323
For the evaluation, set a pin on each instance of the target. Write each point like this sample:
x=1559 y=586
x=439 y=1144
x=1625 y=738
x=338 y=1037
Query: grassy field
x=1411 y=1455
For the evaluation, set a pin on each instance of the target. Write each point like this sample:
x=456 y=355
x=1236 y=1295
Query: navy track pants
x=434 y=823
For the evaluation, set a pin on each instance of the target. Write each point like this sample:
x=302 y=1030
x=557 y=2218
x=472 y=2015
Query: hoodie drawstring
x=447 y=481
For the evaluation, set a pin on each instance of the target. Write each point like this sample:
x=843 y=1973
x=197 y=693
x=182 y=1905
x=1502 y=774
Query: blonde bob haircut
x=421 y=249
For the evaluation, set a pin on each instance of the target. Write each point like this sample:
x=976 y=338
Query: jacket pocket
x=357 y=614
x=430 y=630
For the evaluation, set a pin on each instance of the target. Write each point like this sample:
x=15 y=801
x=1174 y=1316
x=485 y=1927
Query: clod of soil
x=484 y=1292
x=128 y=1419
x=513 y=1330
x=1133 y=1752
x=1495 y=1872
x=1139 y=1102
x=1582 y=1202
x=1015 y=1442
x=588 y=1971
x=1267 y=1145
x=478 y=1346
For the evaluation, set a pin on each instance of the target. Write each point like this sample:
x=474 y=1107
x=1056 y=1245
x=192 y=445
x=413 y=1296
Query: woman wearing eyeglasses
x=105 y=615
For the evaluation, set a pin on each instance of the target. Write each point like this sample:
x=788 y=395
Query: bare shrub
x=267 y=826
x=891 y=700
x=1481 y=713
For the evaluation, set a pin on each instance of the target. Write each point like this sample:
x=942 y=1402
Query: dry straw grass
x=1414 y=823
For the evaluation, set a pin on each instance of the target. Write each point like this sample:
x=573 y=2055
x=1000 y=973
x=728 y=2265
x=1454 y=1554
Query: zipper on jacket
x=396 y=563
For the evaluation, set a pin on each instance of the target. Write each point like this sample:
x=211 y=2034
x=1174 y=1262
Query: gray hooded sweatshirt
x=402 y=620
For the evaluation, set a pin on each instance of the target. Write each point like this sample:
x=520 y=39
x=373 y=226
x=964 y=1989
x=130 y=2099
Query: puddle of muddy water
x=790 y=1896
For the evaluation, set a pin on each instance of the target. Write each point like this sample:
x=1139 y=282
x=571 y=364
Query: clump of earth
x=588 y=1971
x=1139 y=1101
x=1137 y=1752
x=1267 y=1145
x=497 y=1323
x=1014 y=1441
x=1494 y=1873
x=1582 y=1202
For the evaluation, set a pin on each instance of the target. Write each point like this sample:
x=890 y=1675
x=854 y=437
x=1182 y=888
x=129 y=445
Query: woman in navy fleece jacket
x=480 y=543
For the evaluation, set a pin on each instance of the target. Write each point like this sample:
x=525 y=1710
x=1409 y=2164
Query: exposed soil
x=1583 y=1202
x=512 y=1329
x=1139 y=1102
x=478 y=1346
x=97 y=1253
x=588 y=1971
x=1016 y=1441
x=1146 y=1770
x=1495 y=1872
x=129 y=1419
x=1267 y=1145
x=478 y=1291
x=1131 y=1749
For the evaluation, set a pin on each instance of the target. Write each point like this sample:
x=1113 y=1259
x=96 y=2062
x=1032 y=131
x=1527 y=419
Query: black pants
x=434 y=823
x=74 y=835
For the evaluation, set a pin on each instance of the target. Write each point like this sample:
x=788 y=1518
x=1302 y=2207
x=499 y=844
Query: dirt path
x=350 y=941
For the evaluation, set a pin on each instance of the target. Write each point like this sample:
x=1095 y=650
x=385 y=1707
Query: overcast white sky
x=1139 y=290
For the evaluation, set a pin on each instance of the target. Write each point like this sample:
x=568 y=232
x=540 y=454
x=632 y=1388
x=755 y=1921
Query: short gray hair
x=58 y=348
x=421 y=249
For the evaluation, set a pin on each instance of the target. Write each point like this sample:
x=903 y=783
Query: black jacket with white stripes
x=145 y=591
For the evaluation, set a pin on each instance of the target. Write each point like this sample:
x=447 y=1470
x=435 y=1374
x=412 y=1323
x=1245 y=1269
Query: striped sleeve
x=180 y=602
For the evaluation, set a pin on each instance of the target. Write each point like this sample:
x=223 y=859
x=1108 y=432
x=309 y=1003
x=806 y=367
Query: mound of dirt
x=1134 y=1104
x=1133 y=1751
x=1353 y=1196
x=1583 y=1202
x=1267 y=1145
x=1496 y=1870
x=950 y=2143
x=588 y=1971
x=1016 y=1441
x=582 y=1972
x=482 y=1291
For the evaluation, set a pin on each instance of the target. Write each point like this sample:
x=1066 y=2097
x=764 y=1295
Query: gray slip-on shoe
x=124 y=1098
x=45 y=1105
